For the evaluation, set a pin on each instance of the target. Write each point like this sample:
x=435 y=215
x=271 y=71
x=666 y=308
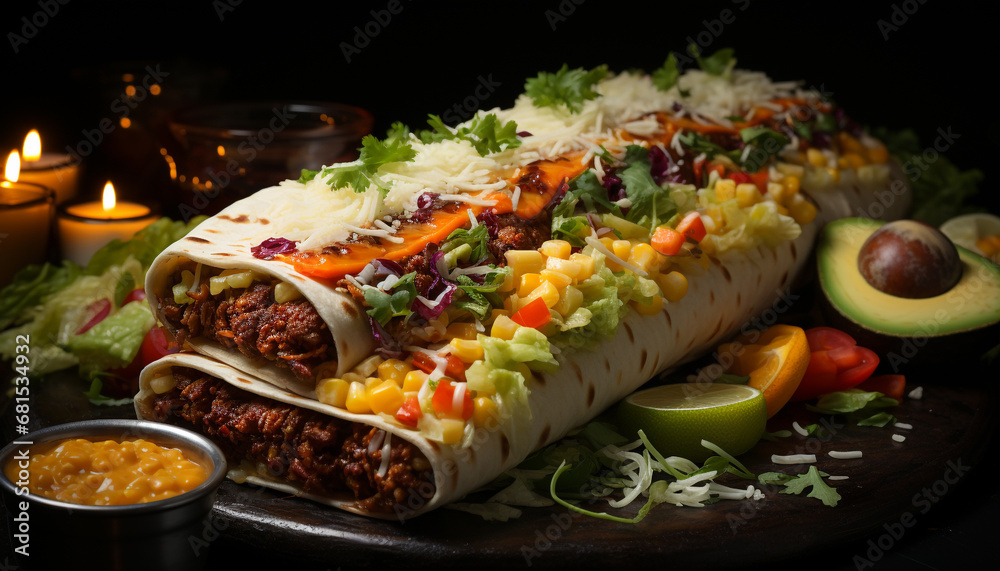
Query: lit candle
x=53 y=170
x=25 y=219
x=85 y=227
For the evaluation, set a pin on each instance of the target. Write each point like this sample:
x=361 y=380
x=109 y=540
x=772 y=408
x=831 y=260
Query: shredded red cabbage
x=271 y=247
x=388 y=347
x=439 y=288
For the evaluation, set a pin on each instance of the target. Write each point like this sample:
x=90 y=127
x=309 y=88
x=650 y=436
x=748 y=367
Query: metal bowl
x=173 y=533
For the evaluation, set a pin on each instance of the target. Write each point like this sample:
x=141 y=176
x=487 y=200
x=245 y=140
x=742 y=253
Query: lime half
x=675 y=418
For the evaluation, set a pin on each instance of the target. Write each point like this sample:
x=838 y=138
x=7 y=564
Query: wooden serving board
x=894 y=484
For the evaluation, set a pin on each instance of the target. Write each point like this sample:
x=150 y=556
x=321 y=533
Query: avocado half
x=965 y=320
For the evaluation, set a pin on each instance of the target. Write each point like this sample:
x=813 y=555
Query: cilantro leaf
x=307 y=175
x=384 y=305
x=569 y=87
x=360 y=174
x=766 y=143
x=666 y=77
x=480 y=299
x=699 y=143
x=651 y=204
x=820 y=490
x=719 y=63
x=476 y=239
x=485 y=133
x=586 y=188
x=398 y=131
x=573 y=229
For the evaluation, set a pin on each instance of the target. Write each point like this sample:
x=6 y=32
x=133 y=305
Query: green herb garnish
x=484 y=132
x=719 y=63
x=667 y=76
x=360 y=174
x=569 y=87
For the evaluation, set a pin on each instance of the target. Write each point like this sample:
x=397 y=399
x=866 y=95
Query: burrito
x=389 y=334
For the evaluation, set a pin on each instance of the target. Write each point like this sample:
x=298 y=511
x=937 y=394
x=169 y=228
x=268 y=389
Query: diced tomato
x=836 y=363
x=667 y=241
x=443 y=401
x=891 y=386
x=535 y=314
x=410 y=413
x=156 y=345
x=739 y=177
x=692 y=227
x=138 y=294
x=96 y=311
x=454 y=369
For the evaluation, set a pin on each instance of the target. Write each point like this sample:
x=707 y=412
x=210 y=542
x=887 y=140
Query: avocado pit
x=910 y=259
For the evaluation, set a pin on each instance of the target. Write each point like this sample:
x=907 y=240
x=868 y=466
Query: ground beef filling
x=291 y=335
x=321 y=454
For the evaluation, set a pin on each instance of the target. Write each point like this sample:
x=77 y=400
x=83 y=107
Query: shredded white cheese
x=794 y=459
x=903 y=425
x=916 y=394
x=849 y=455
x=898 y=437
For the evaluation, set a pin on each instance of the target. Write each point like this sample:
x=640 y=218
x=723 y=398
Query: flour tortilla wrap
x=721 y=300
x=224 y=241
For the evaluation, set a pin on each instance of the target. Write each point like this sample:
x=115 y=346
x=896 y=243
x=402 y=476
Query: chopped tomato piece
x=410 y=413
x=455 y=368
x=535 y=314
x=138 y=294
x=891 y=386
x=444 y=403
x=836 y=363
x=692 y=227
x=667 y=241
x=739 y=177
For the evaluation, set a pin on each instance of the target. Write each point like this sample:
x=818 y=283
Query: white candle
x=53 y=170
x=86 y=227
x=25 y=219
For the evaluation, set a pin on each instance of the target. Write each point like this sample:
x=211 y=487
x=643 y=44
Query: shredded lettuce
x=502 y=372
x=115 y=341
x=31 y=285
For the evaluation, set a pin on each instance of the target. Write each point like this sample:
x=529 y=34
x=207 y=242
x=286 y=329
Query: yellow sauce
x=109 y=473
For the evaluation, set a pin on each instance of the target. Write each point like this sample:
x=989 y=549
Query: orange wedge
x=775 y=360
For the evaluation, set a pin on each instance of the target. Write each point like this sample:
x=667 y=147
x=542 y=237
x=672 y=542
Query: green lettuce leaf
x=651 y=204
x=115 y=341
x=144 y=246
x=31 y=286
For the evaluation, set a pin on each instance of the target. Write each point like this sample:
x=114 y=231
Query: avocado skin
x=903 y=352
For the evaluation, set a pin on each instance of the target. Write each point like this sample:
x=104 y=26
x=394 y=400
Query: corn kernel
x=385 y=397
x=607 y=242
x=777 y=191
x=357 y=399
x=816 y=157
x=556 y=249
x=849 y=143
x=782 y=209
x=394 y=370
x=715 y=213
x=621 y=248
x=368 y=367
x=586 y=265
x=353 y=377
x=673 y=285
x=802 y=210
x=570 y=300
x=567 y=267
x=558 y=279
x=484 y=412
x=332 y=391
x=528 y=283
x=508 y=282
x=510 y=303
x=452 y=430
x=548 y=292
x=651 y=308
x=789 y=169
x=791 y=184
x=462 y=331
x=414 y=380
x=371 y=382
x=503 y=328
x=747 y=195
x=645 y=257
x=834 y=174
x=725 y=189
x=852 y=160
x=466 y=350
x=878 y=154
x=524 y=262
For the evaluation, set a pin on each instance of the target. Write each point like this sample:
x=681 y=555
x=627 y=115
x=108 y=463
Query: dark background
x=929 y=67
x=926 y=66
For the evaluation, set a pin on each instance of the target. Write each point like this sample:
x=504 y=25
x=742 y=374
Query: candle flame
x=13 y=168
x=108 y=200
x=32 y=146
